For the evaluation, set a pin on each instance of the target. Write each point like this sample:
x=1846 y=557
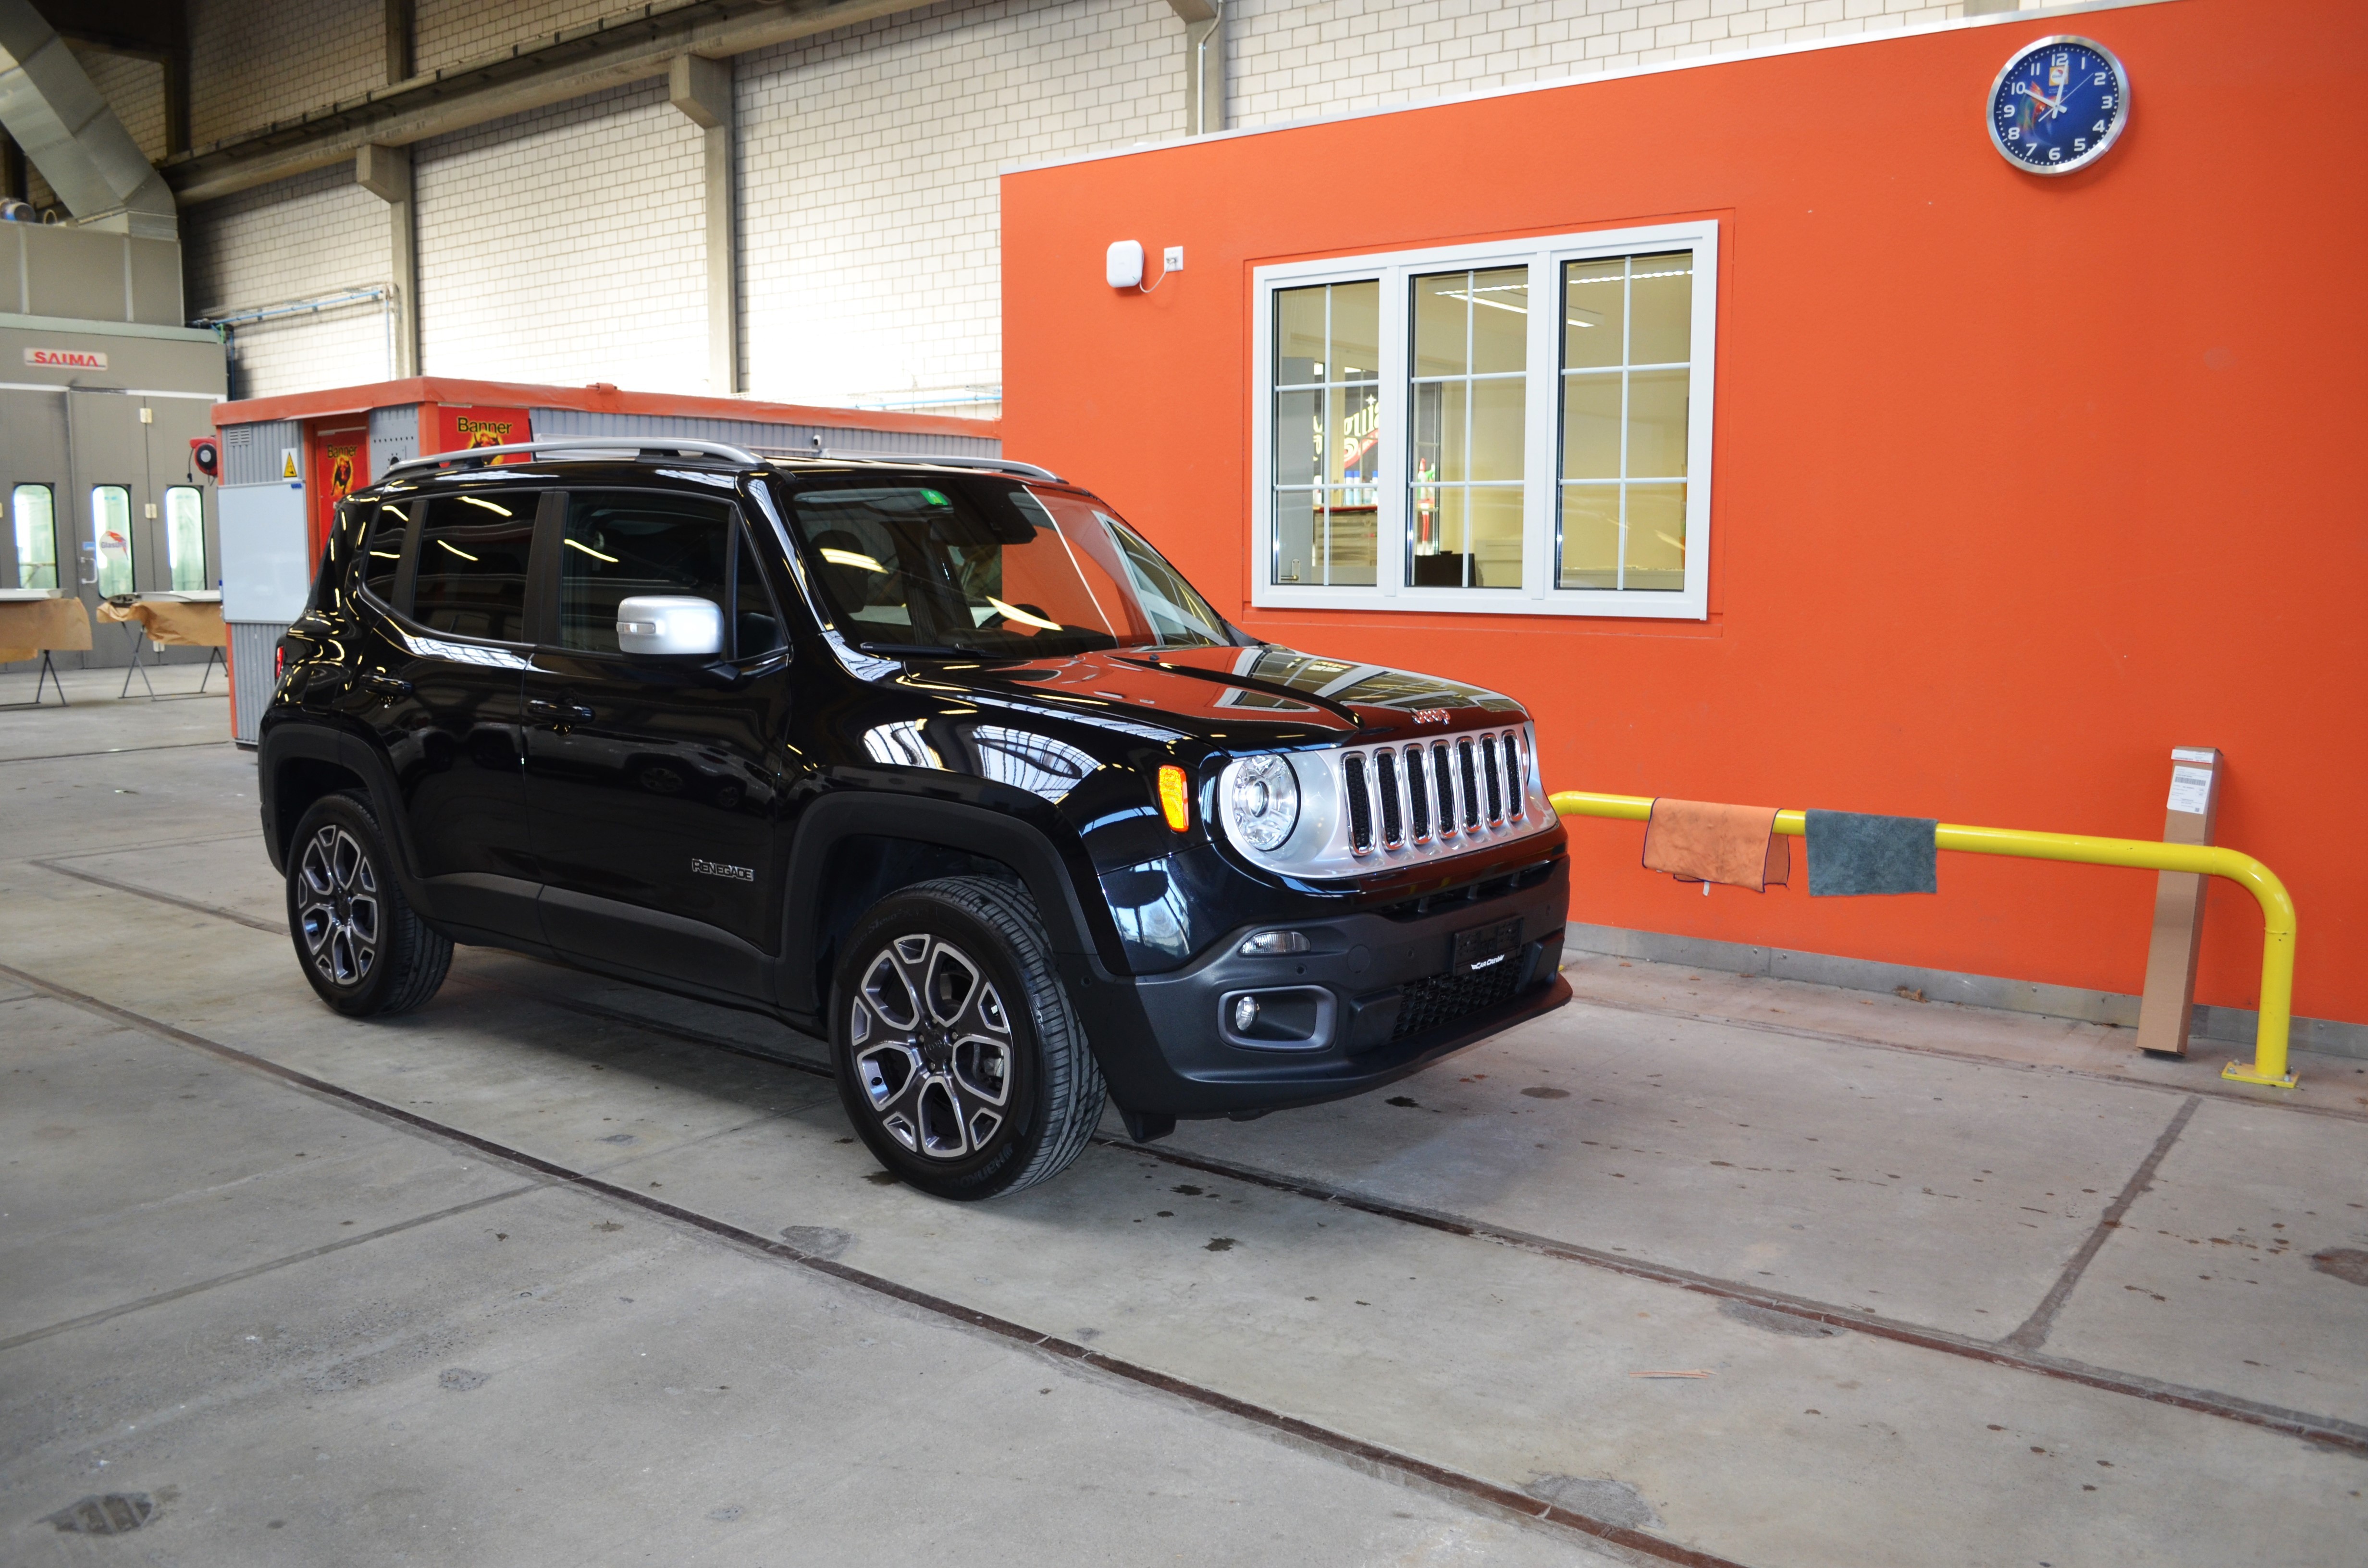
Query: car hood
x=1203 y=690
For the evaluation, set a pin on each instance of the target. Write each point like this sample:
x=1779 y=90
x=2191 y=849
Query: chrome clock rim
x=2112 y=132
x=932 y=1047
x=338 y=911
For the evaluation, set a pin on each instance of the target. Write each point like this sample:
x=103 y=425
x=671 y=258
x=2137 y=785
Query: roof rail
x=921 y=460
x=644 y=445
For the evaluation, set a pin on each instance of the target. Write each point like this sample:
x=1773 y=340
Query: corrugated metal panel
x=250 y=645
x=763 y=436
x=394 y=436
x=251 y=452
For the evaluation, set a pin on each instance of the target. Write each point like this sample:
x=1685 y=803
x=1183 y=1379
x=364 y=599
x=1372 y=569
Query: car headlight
x=1262 y=806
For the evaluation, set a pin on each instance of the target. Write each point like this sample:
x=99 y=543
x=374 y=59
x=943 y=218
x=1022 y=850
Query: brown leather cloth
x=1699 y=841
x=29 y=628
x=173 y=621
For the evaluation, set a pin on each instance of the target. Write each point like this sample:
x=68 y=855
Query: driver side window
x=621 y=543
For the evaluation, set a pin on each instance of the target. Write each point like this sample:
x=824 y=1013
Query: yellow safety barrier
x=2268 y=1064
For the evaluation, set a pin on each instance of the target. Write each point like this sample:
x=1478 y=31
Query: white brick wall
x=564 y=246
x=298 y=239
x=867 y=164
x=446 y=32
x=253 y=62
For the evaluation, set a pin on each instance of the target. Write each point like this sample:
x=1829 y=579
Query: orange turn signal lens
x=1174 y=798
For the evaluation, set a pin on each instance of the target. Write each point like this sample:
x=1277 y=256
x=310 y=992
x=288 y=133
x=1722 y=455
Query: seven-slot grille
x=1418 y=795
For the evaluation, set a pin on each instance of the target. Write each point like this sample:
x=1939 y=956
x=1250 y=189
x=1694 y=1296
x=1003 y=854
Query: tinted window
x=471 y=578
x=382 y=549
x=756 y=620
x=621 y=543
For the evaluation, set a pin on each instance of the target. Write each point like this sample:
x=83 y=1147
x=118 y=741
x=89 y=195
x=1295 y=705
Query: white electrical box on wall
x=267 y=562
x=1123 y=266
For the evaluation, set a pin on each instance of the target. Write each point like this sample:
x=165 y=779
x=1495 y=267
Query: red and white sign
x=65 y=358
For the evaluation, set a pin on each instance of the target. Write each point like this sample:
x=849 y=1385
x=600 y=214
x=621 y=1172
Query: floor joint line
x=2035 y=1328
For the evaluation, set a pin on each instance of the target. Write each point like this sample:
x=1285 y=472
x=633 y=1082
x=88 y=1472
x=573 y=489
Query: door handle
x=542 y=708
x=385 y=684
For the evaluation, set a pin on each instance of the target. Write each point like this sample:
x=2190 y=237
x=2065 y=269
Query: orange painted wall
x=2019 y=482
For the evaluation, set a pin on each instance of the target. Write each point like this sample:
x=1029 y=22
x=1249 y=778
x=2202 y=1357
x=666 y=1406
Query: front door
x=656 y=779
x=441 y=685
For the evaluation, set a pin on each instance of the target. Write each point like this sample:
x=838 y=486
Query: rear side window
x=382 y=549
x=621 y=543
x=473 y=554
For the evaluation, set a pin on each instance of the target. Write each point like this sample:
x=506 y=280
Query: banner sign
x=458 y=429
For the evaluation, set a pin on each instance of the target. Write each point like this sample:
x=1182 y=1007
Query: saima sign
x=65 y=358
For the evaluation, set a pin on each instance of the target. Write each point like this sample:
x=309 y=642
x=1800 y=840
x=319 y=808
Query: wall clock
x=2058 y=106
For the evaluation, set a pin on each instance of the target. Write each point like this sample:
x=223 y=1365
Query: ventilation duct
x=66 y=129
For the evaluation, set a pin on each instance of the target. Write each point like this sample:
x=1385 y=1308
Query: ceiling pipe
x=65 y=127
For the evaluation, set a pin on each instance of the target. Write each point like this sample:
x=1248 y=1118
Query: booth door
x=337 y=464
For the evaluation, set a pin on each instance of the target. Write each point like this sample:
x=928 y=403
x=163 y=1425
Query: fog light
x=1245 y=1011
x=1267 y=944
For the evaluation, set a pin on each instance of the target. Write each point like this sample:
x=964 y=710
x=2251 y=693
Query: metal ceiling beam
x=615 y=51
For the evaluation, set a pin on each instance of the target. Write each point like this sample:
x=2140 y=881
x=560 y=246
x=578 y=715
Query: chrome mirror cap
x=669 y=623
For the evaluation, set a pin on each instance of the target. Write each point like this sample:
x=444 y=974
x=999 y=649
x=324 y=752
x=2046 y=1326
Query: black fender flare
x=286 y=742
x=977 y=829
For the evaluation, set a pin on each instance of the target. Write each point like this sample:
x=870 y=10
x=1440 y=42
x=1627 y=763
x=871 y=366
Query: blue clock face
x=2058 y=105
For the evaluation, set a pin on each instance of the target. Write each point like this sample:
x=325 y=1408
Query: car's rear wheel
x=960 y=1059
x=362 y=946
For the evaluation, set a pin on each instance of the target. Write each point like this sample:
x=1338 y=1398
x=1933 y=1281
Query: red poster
x=458 y=429
x=336 y=465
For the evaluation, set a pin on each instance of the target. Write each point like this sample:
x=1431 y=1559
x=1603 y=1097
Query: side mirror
x=669 y=623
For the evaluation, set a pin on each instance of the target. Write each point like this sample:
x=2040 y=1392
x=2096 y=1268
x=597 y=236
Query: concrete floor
x=1966 y=1288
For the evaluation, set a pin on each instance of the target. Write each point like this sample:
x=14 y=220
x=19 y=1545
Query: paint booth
x=102 y=392
x=288 y=462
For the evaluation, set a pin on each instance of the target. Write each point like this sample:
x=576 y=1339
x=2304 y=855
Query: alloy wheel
x=933 y=1050
x=338 y=911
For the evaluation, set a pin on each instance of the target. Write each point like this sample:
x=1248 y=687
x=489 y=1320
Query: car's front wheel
x=960 y=1059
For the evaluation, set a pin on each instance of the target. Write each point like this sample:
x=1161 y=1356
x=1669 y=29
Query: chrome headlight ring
x=1261 y=801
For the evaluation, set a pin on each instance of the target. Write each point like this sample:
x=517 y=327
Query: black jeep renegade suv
x=937 y=759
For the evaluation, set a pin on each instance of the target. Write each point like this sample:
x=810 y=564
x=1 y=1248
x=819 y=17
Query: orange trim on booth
x=599 y=398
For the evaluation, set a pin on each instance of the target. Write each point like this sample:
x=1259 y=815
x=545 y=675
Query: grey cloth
x=1851 y=853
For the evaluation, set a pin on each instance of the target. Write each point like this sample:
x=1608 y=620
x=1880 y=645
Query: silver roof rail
x=644 y=445
x=920 y=460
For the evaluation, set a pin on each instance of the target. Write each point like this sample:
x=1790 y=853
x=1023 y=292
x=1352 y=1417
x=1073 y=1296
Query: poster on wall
x=340 y=465
x=461 y=430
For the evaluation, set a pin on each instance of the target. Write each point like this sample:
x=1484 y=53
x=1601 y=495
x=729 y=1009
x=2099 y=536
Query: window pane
x=1594 y=307
x=111 y=526
x=1501 y=321
x=471 y=579
x=1294 y=537
x=383 y=552
x=1591 y=535
x=1657 y=538
x=756 y=627
x=1356 y=413
x=1660 y=309
x=1656 y=423
x=1298 y=336
x=185 y=538
x=1495 y=512
x=1356 y=332
x=623 y=543
x=1441 y=315
x=33 y=509
x=1298 y=436
x=1344 y=538
x=1440 y=423
x=1498 y=432
x=1590 y=426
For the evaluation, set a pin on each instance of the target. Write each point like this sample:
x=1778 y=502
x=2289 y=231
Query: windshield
x=988 y=565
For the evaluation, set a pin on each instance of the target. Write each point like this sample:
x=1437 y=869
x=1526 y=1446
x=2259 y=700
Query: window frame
x=55 y=583
x=1541 y=517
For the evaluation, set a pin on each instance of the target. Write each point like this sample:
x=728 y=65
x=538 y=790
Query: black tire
x=359 y=942
x=921 y=1091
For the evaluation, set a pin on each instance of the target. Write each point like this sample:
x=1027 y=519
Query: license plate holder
x=1483 y=946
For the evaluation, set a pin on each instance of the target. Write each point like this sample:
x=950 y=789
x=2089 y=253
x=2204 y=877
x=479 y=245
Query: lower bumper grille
x=1444 y=998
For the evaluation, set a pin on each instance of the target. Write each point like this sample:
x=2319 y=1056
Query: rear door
x=442 y=685
x=656 y=779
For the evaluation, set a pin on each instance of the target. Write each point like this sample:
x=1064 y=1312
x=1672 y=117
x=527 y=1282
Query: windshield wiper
x=923 y=649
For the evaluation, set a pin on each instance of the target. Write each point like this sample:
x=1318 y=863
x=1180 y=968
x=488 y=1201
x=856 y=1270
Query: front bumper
x=1395 y=1006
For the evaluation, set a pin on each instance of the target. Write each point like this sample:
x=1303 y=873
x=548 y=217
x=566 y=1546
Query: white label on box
x=2190 y=790
x=2191 y=753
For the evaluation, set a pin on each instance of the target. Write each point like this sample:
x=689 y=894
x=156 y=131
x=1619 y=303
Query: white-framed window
x=1426 y=438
